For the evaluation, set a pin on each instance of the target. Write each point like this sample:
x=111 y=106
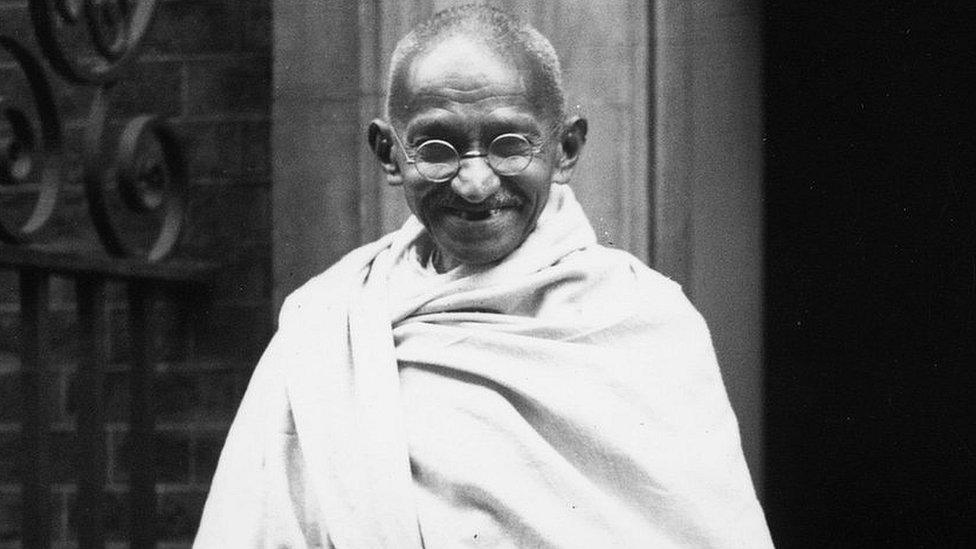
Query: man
x=487 y=375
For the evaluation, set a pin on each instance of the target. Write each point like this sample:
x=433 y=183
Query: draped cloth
x=567 y=396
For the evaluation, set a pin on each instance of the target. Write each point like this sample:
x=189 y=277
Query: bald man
x=486 y=376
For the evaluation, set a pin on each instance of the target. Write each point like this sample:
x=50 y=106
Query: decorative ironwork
x=148 y=173
x=25 y=157
x=146 y=176
x=115 y=28
x=143 y=178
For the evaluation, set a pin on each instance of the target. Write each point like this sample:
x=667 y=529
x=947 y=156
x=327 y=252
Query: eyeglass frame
x=536 y=149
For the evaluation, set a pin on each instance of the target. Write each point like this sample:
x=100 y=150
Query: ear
x=571 y=143
x=379 y=135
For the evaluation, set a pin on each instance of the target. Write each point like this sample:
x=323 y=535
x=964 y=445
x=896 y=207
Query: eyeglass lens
x=508 y=154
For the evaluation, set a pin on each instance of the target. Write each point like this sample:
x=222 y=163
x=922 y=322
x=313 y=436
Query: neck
x=441 y=261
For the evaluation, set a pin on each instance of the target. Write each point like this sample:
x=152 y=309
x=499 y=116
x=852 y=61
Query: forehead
x=462 y=76
x=462 y=65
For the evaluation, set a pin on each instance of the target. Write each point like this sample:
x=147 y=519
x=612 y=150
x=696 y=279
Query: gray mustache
x=448 y=199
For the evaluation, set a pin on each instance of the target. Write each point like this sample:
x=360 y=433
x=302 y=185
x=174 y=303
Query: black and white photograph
x=438 y=274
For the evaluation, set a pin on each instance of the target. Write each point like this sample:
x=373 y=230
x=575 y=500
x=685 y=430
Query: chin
x=474 y=256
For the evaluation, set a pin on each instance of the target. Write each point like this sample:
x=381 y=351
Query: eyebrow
x=522 y=121
x=433 y=123
x=449 y=124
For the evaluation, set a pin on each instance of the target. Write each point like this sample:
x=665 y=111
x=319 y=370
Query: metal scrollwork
x=146 y=177
x=115 y=30
x=136 y=191
x=29 y=163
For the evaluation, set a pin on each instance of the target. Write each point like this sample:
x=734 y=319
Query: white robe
x=566 y=397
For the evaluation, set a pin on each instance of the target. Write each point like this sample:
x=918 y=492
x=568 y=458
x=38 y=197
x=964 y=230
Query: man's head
x=476 y=80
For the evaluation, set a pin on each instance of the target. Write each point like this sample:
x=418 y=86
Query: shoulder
x=327 y=288
x=620 y=269
x=615 y=277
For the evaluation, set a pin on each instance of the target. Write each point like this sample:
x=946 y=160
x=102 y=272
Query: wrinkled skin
x=463 y=93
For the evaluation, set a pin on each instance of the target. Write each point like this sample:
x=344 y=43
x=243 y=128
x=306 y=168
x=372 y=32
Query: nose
x=475 y=181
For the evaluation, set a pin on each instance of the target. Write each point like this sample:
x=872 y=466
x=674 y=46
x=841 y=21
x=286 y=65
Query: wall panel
x=603 y=51
x=672 y=171
x=707 y=189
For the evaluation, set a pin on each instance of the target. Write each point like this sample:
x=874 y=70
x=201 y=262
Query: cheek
x=536 y=188
x=415 y=192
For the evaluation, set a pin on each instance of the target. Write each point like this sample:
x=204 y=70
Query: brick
x=179 y=515
x=219 y=393
x=64 y=456
x=175 y=397
x=206 y=453
x=229 y=86
x=229 y=213
x=169 y=338
x=9 y=287
x=115 y=394
x=61 y=293
x=174 y=328
x=115 y=515
x=72 y=221
x=171 y=455
x=215 y=148
x=248 y=278
x=175 y=339
x=223 y=150
x=256 y=17
x=9 y=332
x=221 y=218
x=256 y=149
x=186 y=396
x=150 y=87
x=10 y=457
x=238 y=333
x=11 y=404
x=12 y=398
x=191 y=27
x=9 y=517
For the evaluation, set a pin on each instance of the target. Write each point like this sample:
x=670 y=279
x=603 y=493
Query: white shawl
x=566 y=397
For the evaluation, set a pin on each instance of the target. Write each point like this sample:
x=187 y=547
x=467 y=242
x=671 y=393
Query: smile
x=476 y=215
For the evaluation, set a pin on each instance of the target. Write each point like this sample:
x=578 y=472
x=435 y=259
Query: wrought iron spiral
x=146 y=177
x=135 y=192
x=29 y=162
x=115 y=29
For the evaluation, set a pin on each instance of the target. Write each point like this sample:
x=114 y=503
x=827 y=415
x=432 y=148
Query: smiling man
x=488 y=375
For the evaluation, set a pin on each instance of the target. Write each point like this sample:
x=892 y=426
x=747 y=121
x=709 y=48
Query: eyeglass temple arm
x=403 y=147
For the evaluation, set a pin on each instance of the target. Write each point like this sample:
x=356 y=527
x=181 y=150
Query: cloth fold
x=567 y=396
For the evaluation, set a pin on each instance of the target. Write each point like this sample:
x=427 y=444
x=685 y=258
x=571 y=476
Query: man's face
x=463 y=93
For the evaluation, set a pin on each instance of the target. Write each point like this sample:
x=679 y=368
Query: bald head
x=470 y=30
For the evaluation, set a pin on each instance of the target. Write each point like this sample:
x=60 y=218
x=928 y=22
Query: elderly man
x=487 y=375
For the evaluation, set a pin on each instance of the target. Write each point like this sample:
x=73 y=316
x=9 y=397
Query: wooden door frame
x=706 y=189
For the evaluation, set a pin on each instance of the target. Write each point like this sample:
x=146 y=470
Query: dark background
x=871 y=370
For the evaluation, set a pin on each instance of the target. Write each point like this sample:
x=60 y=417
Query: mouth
x=475 y=215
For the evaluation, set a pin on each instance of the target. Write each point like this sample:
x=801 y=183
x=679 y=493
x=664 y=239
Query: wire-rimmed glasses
x=438 y=161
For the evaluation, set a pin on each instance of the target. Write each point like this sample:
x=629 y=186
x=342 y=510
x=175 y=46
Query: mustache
x=449 y=199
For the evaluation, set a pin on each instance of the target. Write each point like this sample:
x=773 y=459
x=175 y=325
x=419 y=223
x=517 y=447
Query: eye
x=436 y=151
x=511 y=144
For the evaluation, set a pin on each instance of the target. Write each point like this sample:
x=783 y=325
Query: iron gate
x=135 y=192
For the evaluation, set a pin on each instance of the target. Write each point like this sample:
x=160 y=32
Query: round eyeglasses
x=438 y=161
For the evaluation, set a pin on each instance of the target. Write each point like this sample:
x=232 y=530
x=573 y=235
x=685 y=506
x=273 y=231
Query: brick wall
x=206 y=64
